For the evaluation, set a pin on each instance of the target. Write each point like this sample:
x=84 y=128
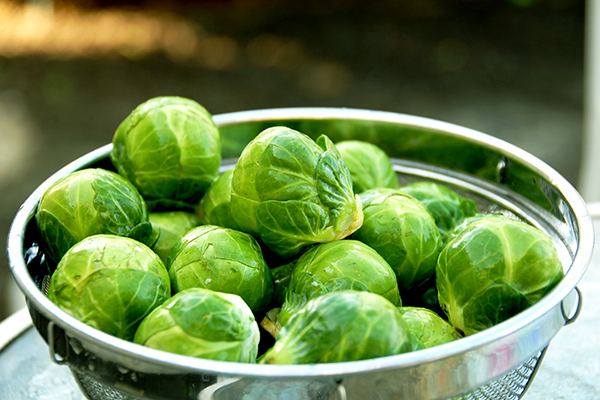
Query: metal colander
x=498 y=363
x=511 y=386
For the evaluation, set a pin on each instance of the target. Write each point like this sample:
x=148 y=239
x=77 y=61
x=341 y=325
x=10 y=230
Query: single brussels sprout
x=448 y=208
x=215 y=206
x=202 y=323
x=368 y=164
x=292 y=192
x=341 y=326
x=334 y=267
x=170 y=226
x=493 y=269
x=402 y=230
x=427 y=327
x=110 y=283
x=223 y=260
x=90 y=202
x=170 y=148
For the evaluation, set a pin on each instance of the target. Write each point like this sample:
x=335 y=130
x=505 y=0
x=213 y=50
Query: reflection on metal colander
x=511 y=386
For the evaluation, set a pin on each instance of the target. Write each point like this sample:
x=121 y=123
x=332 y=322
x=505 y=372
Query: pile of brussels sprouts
x=316 y=241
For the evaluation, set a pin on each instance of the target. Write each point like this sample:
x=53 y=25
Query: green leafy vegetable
x=338 y=266
x=202 y=323
x=493 y=269
x=170 y=149
x=402 y=230
x=292 y=192
x=110 y=283
x=89 y=202
x=427 y=327
x=215 y=206
x=170 y=226
x=223 y=260
x=341 y=326
x=369 y=165
x=448 y=208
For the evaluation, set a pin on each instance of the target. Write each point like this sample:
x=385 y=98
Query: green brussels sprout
x=448 y=208
x=89 y=202
x=292 y=192
x=427 y=327
x=493 y=269
x=170 y=148
x=202 y=323
x=215 y=206
x=334 y=267
x=223 y=260
x=368 y=164
x=170 y=226
x=402 y=230
x=110 y=283
x=341 y=326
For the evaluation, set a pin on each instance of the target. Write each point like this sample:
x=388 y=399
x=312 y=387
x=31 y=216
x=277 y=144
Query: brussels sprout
x=202 y=323
x=334 y=267
x=170 y=226
x=427 y=327
x=110 y=283
x=448 y=208
x=170 y=148
x=215 y=206
x=292 y=192
x=341 y=326
x=493 y=269
x=89 y=202
x=223 y=260
x=368 y=164
x=402 y=230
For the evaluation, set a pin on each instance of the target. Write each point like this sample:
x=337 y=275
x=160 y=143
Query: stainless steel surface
x=470 y=160
x=26 y=372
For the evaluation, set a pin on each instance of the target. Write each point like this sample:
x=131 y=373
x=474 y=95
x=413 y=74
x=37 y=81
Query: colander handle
x=57 y=343
x=571 y=319
x=341 y=390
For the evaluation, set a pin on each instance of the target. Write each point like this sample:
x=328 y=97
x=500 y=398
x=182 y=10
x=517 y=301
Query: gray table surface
x=569 y=371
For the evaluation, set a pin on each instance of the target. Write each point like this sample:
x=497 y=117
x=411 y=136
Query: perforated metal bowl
x=496 y=363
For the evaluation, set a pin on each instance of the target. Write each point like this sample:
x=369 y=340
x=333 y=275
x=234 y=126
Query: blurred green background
x=70 y=71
